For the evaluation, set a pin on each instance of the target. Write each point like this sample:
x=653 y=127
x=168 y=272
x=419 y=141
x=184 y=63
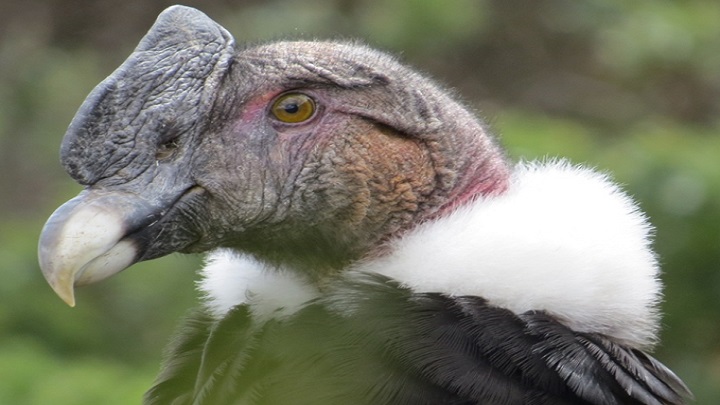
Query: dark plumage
x=405 y=348
x=375 y=246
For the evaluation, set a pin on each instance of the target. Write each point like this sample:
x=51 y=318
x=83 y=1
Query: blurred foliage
x=632 y=88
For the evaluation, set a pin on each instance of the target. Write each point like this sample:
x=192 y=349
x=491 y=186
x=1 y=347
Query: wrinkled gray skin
x=178 y=151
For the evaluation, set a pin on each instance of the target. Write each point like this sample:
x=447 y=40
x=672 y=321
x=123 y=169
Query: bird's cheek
x=237 y=194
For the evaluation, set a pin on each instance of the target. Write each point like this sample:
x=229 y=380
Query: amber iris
x=293 y=108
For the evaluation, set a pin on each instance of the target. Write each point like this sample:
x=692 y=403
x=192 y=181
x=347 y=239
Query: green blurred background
x=629 y=87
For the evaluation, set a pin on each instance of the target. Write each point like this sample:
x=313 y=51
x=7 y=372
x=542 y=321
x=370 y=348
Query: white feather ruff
x=562 y=239
x=230 y=279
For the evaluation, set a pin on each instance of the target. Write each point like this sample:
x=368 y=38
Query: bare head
x=307 y=153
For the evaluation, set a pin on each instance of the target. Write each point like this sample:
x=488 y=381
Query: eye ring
x=293 y=108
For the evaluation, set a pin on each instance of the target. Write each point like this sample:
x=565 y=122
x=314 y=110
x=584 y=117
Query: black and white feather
x=546 y=294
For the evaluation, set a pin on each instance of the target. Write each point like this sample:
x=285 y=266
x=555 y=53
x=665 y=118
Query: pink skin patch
x=258 y=106
x=493 y=182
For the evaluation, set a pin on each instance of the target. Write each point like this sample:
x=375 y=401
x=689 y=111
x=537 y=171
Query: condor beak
x=82 y=241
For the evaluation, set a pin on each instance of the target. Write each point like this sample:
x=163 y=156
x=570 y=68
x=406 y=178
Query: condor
x=369 y=241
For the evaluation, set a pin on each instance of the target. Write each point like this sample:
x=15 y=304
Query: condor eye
x=293 y=108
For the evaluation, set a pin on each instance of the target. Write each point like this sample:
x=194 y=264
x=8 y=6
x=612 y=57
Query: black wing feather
x=370 y=341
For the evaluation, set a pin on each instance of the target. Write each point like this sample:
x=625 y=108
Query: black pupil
x=291 y=108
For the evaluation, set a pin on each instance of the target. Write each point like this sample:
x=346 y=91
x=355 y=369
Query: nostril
x=166 y=150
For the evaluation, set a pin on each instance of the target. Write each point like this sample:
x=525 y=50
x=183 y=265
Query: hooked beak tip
x=66 y=294
x=81 y=243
